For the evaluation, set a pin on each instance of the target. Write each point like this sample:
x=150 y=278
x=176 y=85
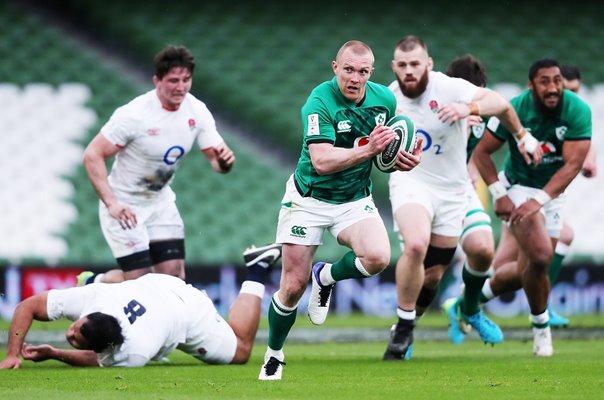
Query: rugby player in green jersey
x=344 y=128
x=558 y=122
x=508 y=248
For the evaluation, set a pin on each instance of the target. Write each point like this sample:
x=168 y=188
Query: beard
x=547 y=111
x=418 y=87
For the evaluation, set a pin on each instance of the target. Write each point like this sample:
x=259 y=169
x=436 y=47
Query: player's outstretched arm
x=492 y=103
x=43 y=352
x=29 y=309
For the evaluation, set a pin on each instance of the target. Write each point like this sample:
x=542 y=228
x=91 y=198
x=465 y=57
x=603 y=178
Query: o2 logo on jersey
x=133 y=310
x=173 y=154
x=428 y=142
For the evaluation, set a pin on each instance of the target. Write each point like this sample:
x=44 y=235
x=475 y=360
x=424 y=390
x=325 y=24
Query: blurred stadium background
x=67 y=64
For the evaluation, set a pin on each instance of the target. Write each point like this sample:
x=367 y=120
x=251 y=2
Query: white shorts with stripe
x=552 y=210
x=303 y=220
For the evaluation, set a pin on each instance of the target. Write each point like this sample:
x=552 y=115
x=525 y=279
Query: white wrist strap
x=530 y=143
x=497 y=190
x=542 y=197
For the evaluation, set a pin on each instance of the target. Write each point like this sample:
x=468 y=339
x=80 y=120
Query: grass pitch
x=438 y=370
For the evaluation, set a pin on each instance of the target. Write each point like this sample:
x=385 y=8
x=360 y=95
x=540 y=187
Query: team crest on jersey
x=344 y=126
x=153 y=131
x=478 y=130
x=560 y=132
x=380 y=118
x=433 y=106
x=191 y=123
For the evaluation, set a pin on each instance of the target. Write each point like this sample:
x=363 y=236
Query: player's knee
x=481 y=254
x=567 y=235
x=292 y=290
x=375 y=261
x=415 y=249
x=243 y=352
x=540 y=260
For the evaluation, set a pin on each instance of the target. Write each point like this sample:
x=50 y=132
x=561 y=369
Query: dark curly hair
x=101 y=331
x=468 y=67
x=173 y=57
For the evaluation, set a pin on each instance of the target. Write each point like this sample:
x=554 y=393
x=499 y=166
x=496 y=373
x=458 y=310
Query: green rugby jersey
x=476 y=133
x=573 y=123
x=328 y=117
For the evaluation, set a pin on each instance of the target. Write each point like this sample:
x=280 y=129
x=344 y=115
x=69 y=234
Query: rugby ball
x=406 y=137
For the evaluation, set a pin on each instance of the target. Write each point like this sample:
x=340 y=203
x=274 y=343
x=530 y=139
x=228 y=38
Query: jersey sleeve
x=581 y=127
x=464 y=90
x=208 y=135
x=497 y=129
x=317 y=122
x=120 y=128
x=68 y=303
x=121 y=359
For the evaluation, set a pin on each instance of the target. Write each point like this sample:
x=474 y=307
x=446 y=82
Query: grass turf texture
x=438 y=370
x=430 y=320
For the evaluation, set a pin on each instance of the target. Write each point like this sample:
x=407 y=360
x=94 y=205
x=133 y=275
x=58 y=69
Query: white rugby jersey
x=154 y=140
x=149 y=309
x=443 y=163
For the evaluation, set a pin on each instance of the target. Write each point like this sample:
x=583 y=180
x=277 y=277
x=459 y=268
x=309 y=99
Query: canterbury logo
x=299 y=231
x=344 y=126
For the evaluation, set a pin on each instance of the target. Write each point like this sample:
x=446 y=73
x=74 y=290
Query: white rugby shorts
x=446 y=208
x=302 y=220
x=157 y=220
x=209 y=337
x=552 y=210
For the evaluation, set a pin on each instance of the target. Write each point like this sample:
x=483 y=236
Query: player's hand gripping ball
x=406 y=137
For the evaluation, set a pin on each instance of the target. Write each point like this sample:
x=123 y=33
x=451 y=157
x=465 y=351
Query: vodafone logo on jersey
x=361 y=141
x=548 y=148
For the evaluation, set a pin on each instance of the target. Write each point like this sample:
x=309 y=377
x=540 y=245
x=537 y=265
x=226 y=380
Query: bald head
x=353 y=67
x=355 y=47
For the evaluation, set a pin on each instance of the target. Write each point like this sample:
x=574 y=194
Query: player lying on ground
x=130 y=323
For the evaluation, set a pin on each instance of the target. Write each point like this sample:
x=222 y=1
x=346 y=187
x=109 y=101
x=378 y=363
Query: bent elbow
x=320 y=167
